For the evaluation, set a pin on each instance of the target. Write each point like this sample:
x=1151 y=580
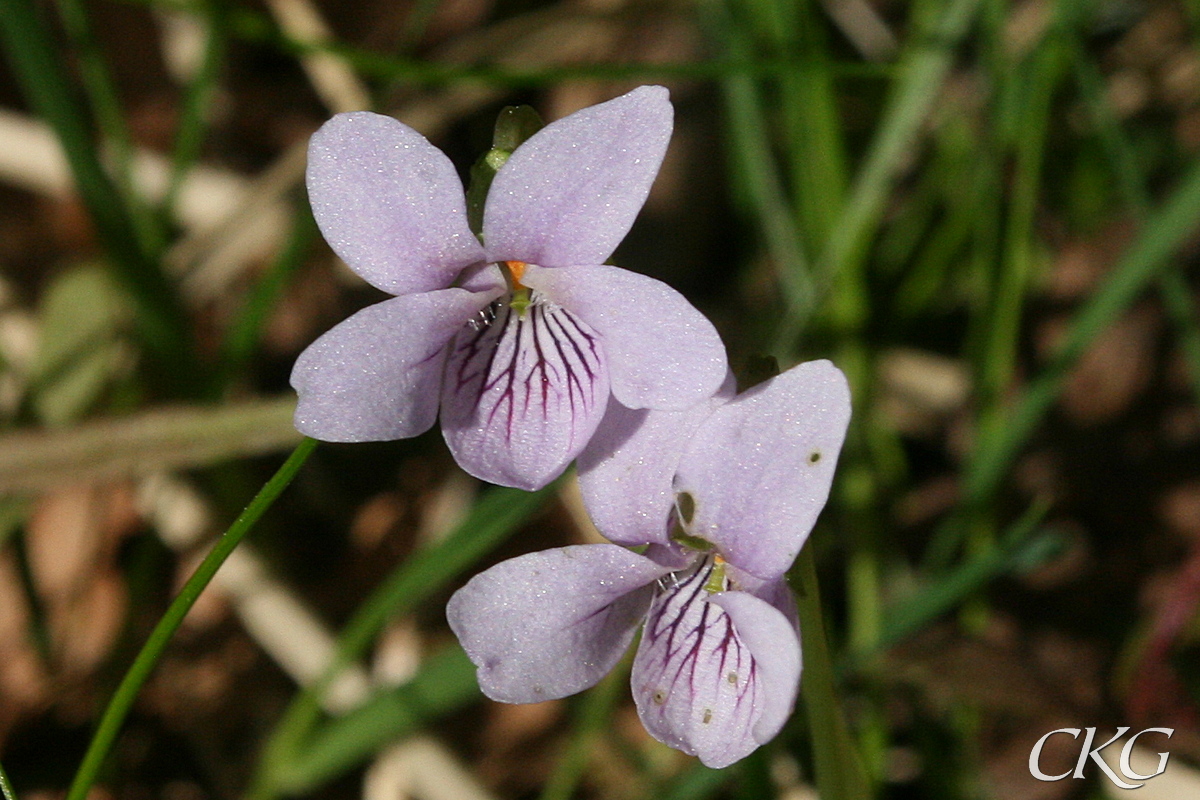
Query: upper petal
x=377 y=375
x=626 y=471
x=389 y=203
x=522 y=396
x=550 y=624
x=570 y=193
x=715 y=674
x=662 y=352
x=759 y=468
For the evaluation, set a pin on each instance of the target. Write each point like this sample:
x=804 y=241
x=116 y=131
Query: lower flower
x=717 y=668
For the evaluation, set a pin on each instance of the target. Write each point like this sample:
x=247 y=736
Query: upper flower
x=519 y=339
x=723 y=496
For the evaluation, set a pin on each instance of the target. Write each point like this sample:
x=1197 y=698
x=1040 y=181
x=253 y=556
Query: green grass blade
x=445 y=683
x=162 y=323
x=122 y=701
x=838 y=765
x=13 y=512
x=920 y=78
x=751 y=153
x=101 y=92
x=39 y=626
x=1173 y=287
x=1173 y=225
x=1021 y=546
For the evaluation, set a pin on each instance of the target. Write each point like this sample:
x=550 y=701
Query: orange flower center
x=516 y=269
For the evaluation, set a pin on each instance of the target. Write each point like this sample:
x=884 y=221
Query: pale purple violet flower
x=723 y=496
x=519 y=340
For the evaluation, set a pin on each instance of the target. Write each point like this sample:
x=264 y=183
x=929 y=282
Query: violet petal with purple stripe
x=523 y=393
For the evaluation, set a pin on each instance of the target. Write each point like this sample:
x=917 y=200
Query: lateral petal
x=376 y=376
x=703 y=687
x=627 y=469
x=571 y=192
x=389 y=203
x=522 y=396
x=759 y=468
x=662 y=352
x=550 y=624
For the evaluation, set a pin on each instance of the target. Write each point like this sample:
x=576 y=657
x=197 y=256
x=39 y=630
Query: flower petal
x=376 y=376
x=550 y=624
x=662 y=352
x=704 y=688
x=523 y=394
x=774 y=644
x=760 y=467
x=571 y=192
x=389 y=203
x=626 y=471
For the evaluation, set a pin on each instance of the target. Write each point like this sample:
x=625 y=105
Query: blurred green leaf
x=838 y=764
x=81 y=321
x=445 y=683
x=1022 y=548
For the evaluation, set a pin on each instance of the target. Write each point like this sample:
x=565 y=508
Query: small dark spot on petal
x=707 y=716
x=814 y=457
x=732 y=678
x=659 y=698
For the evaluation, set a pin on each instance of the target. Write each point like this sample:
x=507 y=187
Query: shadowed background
x=986 y=213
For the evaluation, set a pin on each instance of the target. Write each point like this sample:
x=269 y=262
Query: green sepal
x=514 y=125
x=691 y=542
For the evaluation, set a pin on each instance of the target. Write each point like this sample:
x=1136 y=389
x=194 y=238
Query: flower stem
x=6 y=787
x=131 y=684
x=838 y=765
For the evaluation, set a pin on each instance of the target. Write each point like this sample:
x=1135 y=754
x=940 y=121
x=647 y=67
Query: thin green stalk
x=839 y=770
x=122 y=701
x=999 y=355
x=812 y=140
x=595 y=711
x=5 y=787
